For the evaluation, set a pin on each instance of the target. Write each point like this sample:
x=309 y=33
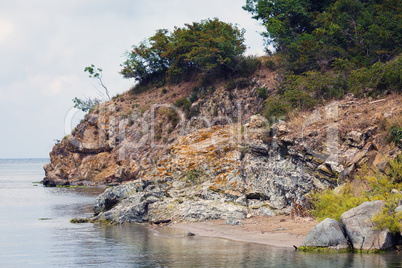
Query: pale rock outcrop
x=360 y=229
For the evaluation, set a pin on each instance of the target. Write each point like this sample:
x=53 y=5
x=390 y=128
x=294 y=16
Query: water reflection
x=27 y=241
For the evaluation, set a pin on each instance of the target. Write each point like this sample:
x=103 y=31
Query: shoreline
x=278 y=231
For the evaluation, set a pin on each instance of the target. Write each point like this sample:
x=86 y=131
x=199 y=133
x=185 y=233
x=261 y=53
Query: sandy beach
x=279 y=231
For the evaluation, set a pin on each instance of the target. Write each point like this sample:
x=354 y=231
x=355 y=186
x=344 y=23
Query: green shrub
x=332 y=203
x=171 y=115
x=183 y=103
x=388 y=219
x=395 y=134
x=262 y=92
x=377 y=78
x=270 y=64
x=230 y=85
x=396 y=169
x=275 y=107
x=243 y=83
x=248 y=66
x=193 y=97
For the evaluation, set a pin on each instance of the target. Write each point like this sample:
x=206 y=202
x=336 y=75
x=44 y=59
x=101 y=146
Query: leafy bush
x=388 y=219
x=210 y=46
x=396 y=169
x=262 y=92
x=395 y=134
x=377 y=78
x=270 y=64
x=275 y=107
x=183 y=103
x=248 y=66
x=331 y=204
x=230 y=85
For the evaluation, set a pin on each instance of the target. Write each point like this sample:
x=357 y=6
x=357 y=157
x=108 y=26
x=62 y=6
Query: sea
x=35 y=231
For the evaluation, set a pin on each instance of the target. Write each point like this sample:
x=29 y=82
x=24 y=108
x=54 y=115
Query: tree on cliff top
x=209 y=46
x=314 y=34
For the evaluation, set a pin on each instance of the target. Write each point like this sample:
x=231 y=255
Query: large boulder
x=359 y=228
x=112 y=196
x=131 y=209
x=327 y=234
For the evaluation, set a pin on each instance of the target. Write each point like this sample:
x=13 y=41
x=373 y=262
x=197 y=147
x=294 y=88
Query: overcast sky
x=46 y=44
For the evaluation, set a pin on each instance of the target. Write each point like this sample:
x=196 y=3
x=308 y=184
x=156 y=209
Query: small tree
x=87 y=103
x=96 y=73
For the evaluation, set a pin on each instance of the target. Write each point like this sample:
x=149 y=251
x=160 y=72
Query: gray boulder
x=112 y=196
x=131 y=209
x=329 y=234
x=360 y=228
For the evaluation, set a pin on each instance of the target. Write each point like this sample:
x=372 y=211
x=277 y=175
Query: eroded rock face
x=209 y=174
x=360 y=228
x=327 y=234
x=225 y=162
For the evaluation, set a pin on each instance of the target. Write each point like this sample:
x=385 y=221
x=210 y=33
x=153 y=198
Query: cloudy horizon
x=45 y=46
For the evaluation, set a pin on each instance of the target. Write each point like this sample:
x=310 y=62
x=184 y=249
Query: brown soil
x=169 y=93
x=280 y=231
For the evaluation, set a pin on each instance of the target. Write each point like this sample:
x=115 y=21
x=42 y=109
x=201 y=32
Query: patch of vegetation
x=319 y=61
x=395 y=134
x=322 y=250
x=210 y=45
x=172 y=116
x=248 y=66
x=311 y=35
x=270 y=64
x=183 y=103
x=230 y=85
x=193 y=176
x=332 y=203
x=262 y=92
x=85 y=104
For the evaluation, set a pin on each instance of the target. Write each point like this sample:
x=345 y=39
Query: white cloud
x=6 y=29
x=45 y=45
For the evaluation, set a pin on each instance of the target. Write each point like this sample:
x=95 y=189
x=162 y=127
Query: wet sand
x=279 y=231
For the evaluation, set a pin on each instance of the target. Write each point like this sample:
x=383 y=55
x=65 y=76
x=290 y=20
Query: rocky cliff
x=214 y=157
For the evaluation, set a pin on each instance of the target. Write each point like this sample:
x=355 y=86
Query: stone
x=329 y=233
x=264 y=211
x=112 y=196
x=398 y=209
x=355 y=139
x=232 y=221
x=384 y=167
x=360 y=228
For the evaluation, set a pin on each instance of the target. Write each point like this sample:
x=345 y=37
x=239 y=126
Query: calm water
x=35 y=232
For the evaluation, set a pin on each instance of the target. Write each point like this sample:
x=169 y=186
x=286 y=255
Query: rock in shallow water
x=328 y=233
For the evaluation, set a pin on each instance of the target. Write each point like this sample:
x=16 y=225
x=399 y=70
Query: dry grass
x=349 y=114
